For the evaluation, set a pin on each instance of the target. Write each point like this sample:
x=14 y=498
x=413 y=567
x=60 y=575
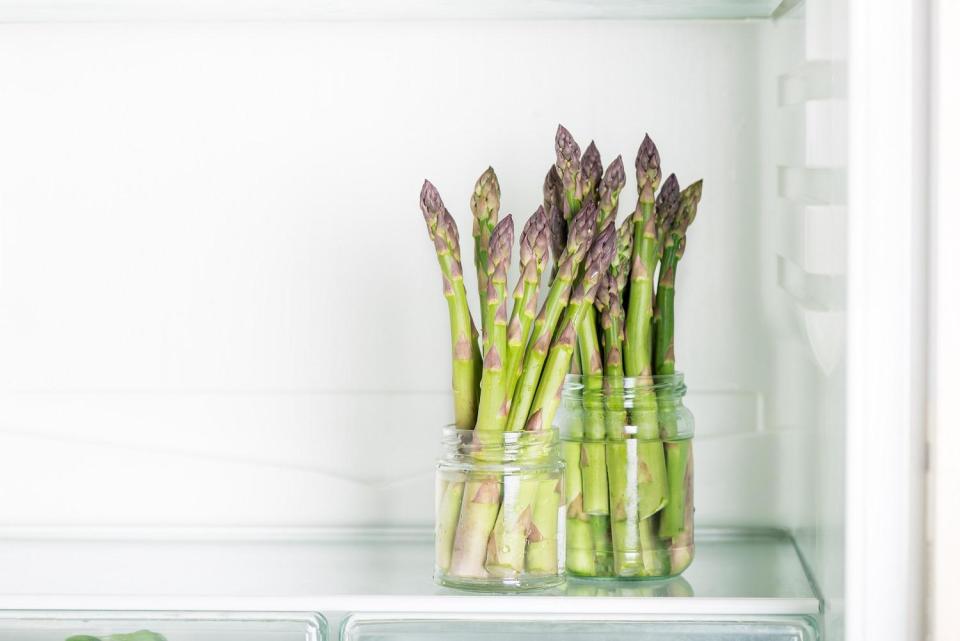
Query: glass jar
x=627 y=444
x=499 y=510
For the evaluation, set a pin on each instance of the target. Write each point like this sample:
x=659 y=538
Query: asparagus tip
x=582 y=229
x=566 y=147
x=601 y=253
x=501 y=242
x=485 y=201
x=591 y=167
x=535 y=237
x=615 y=176
x=431 y=205
x=694 y=191
x=668 y=199
x=648 y=165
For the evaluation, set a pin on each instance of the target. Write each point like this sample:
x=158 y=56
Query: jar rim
x=655 y=382
x=510 y=436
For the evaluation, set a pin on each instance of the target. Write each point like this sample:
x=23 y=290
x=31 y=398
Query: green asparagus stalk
x=592 y=459
x=595 y=500
x=593 y=462
x=681 y=547
x=581 y=556
x=534 y=241
x=492 y=414
x=638 y=337
x=485 y=205
x=542 y=540
x=581 y=233
x=591 y=170
x=673 y=226
x=574 y=181
x=614 y=178
x=463 y=333
x=620 y=267
x=553 y=205
x=568 y=168
x=481 y=502
x=547 y=397
x=505 y=555
x=448 y=513
x=611 y=314
x=611 y=323
x=673 y=233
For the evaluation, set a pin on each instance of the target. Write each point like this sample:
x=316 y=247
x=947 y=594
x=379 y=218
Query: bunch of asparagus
x=508 y=376
x=629 y=470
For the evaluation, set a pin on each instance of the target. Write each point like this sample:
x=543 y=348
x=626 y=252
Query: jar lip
x=508 y=436
x=575 y=382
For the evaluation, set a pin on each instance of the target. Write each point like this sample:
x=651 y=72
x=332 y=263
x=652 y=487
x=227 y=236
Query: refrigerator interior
x=219 y=307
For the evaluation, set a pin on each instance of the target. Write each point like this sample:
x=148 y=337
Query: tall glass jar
x=627 y=444
x=500 y=510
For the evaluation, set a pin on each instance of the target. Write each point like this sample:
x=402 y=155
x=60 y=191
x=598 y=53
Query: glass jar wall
x=627 y=445
x=499 y=510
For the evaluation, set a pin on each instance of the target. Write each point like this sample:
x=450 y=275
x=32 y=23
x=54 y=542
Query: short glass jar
x=627 y=444
x=499 y=510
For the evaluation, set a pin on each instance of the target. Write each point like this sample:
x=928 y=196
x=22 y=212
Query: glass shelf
x=734 y=573
x=113 y=10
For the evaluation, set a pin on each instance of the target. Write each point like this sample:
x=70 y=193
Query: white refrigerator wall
x=218 y=304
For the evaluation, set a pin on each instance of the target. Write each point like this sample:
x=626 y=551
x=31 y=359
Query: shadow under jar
x=499 y=510
x=627 y=445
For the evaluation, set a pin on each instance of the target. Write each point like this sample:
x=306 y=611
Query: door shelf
x=739 y=573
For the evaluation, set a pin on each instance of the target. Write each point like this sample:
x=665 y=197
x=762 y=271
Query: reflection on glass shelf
x=98 y=10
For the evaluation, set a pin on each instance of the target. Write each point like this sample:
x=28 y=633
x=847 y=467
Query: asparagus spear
x=492 y=415
x=505 y=554
x=533 y=256
x=614 y=178
x=553 y=205
x=638 y=342
x=595 y=500
x=681 y=547
x=485 y=205
x=638 y=337
x=482 y=492
x=547 y=398
x=463 y=333
x=568 y=168
x=673 y=233
x=611 y=322
x=620 y=267
x=573 y=182
x=591 y=170
x=581 y=233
